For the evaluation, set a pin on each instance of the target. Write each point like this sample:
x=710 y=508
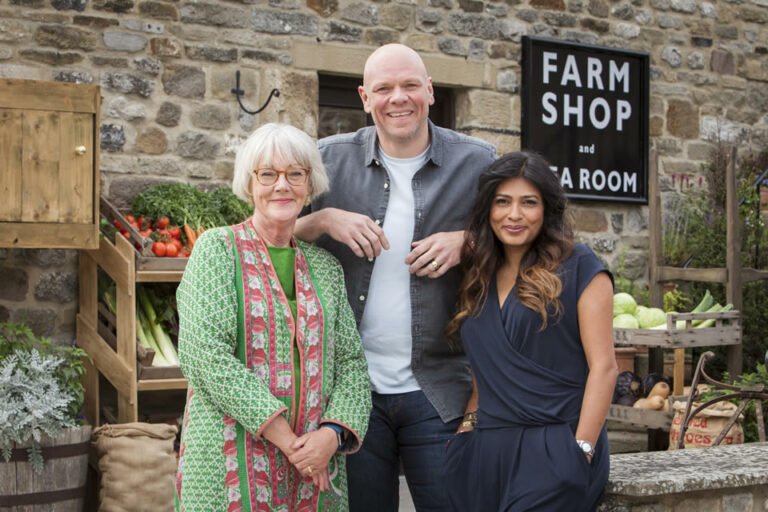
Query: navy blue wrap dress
x=522 y=455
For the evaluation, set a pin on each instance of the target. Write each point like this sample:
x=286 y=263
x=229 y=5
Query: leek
x=163 y=341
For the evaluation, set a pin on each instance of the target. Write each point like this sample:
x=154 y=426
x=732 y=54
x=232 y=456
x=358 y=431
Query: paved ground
x=406 y=504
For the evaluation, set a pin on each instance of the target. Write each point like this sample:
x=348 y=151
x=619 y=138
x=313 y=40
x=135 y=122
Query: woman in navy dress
x=535 y=318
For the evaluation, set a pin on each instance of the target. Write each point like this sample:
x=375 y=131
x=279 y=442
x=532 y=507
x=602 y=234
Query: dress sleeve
x=587 y=267
x=350 y=401
x=208 y=311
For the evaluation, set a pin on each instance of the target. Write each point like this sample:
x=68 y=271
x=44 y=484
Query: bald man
x=400 y=197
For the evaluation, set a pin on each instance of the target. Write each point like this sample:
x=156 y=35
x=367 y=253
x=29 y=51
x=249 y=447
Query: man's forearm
x=310 y=227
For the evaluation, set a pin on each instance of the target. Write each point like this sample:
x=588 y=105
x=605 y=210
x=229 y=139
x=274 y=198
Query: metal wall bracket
x=239 y=92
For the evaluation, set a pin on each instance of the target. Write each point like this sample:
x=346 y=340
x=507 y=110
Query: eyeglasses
x=293 y=175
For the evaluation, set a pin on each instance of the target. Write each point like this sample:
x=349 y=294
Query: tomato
x=126 y=234
x=118 y=225
x=171 y=251
x=163 y=235
x=145 y=233
x=142 y=221
x=184 y=252
x=135 y=225
x=130 y=218
x=159 y=249
x=177 y=243
x=174 y=231
x=163 y=222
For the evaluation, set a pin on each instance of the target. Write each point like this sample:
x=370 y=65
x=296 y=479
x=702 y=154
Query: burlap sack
x=704 y=428
x=137 y=467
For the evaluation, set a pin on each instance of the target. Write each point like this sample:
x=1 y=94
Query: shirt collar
x=434 y=154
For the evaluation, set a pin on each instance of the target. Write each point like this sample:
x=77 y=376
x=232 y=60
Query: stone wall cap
x=678 y=471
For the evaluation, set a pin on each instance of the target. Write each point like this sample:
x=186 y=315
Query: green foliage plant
x=760 y=377
x=40 y=389
x=676 y=300
x=625 y=280
x=186 y=204
x=703 y=238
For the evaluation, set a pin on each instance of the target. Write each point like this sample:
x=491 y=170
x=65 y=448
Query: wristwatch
x=586 y=447
x=339 y=431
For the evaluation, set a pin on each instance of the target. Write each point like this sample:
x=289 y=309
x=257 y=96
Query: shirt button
x=386 y=185
x=362 y=298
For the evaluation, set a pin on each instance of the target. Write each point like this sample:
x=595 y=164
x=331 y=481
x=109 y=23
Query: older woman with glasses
x=278 y=383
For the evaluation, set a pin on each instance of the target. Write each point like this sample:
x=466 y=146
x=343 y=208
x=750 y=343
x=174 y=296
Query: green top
x=284 y=261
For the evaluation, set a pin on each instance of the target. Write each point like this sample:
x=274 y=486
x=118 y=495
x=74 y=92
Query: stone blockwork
x=39 y=287
x=166 y=69
x=719 y=479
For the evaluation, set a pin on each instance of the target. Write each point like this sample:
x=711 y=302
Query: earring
x=308 y=201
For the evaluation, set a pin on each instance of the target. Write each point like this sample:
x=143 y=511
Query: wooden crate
x=49 y=164
x=641 y=417
x=726 y=331
x=117 y=359
x=145 y=258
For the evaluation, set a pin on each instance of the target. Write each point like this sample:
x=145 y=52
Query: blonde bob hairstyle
x=274 y=140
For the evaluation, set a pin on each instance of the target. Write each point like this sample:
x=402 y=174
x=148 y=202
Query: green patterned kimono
x=236 y=350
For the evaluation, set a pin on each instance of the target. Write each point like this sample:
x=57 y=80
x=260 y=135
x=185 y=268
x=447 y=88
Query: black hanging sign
x=585 y=109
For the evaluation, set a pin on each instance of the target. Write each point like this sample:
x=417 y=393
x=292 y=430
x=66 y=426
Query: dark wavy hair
x=538 y=287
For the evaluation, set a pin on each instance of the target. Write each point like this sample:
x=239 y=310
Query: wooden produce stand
x=49 y=164
x=127 y=267
x=727 y=330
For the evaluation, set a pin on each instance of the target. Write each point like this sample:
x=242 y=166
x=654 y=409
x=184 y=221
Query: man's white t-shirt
x=386 y=324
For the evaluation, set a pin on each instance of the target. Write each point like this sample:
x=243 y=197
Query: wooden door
x=48 y=164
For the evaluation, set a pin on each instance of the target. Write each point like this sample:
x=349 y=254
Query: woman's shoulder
x=582 y=259
x=581 y=253
x=317 y=256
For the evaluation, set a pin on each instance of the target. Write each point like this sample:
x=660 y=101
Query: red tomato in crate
x=177 y=243
x=171 y=251
x=174 y=231
x=130 y=218
x=159 y=249
x=163 y=222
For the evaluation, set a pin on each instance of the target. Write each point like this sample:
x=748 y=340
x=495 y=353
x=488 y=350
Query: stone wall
x=717 y=479
x=166 y=69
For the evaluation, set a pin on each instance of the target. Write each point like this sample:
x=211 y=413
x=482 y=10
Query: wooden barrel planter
x=60 y=486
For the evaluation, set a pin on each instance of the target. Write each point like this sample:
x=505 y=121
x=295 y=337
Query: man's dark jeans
x=403 y=427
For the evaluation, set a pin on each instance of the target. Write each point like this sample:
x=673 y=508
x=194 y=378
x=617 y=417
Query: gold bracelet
x=471 y=424
x=471 y=416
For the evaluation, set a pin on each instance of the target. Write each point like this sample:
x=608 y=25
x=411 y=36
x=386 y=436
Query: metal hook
x=239 y=92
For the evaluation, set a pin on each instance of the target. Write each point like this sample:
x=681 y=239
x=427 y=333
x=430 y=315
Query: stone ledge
x=350 y=61
x=683 y=471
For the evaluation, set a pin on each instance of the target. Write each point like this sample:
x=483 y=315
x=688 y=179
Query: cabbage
x=623 y=303
x=625 y=321
x=650 y=317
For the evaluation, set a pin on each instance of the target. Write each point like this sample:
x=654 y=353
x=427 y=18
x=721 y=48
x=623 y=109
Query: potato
x=652 y=403
x=659 y=389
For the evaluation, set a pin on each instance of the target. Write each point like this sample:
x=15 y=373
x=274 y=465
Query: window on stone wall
x=340 y=109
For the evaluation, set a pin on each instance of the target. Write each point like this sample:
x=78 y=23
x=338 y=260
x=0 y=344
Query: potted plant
x=41 y=395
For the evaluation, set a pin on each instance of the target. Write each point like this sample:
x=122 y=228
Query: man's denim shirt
x=443 y=192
